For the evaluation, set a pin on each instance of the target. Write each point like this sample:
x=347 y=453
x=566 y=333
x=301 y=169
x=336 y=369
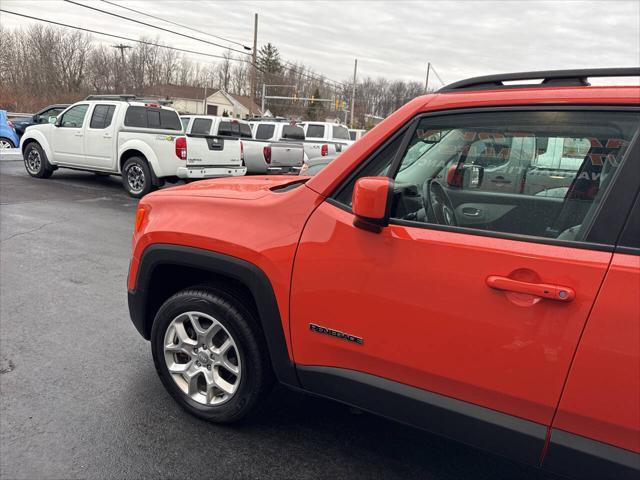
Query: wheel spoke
x=183 y=337
x=179 y=367
x=222 y=384
x=191 y=376
x=225 y=363
x=223 y=349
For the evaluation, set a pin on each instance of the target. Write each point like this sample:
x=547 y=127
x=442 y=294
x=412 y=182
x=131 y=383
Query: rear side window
x=264 y=131
x=340 y=132
x=144 y=117
x=185 y=123
x=102 y=116
x=292 y=132
x=234 y=129
x=315 y=131
x=201 y=126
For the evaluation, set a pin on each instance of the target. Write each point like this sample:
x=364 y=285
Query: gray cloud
x=393 y=39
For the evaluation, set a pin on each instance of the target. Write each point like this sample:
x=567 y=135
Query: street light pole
x=426 y=83
x=254 y=73
x=353 y=90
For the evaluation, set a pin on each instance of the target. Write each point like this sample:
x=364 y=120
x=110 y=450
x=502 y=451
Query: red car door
x=486 y=310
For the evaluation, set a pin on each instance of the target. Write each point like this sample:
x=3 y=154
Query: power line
x=155 y=26
x=143 y=42
x=177 y=24
x=88 y=30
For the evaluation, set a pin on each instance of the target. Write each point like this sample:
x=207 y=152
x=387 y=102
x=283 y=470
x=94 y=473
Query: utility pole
x=353 y=91
x=122 y=47
x=264 y=88
x=254 y=73
x=426 y=83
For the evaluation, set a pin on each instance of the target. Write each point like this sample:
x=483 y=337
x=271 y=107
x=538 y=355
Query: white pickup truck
x=277 y=131
x=113 y=135
x=260 y=157
x=333 y=134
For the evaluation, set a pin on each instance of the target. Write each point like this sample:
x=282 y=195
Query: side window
x=340 y=132
x=264 y=131
x=292 y=132
x=315 y=131
x=185 y=123
x=74 y=117
x=153 y=118
x=169 y=120
x=201 y=126
x=102 y=116
x=136 y=117
x=529 y=173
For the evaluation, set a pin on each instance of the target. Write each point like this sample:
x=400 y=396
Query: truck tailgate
x=213 y=151
x=287 y=154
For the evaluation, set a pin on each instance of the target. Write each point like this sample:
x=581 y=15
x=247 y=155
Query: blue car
x=8 y=136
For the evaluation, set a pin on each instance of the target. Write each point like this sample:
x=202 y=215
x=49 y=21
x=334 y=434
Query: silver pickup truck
x=210 y=151
x=276 y=131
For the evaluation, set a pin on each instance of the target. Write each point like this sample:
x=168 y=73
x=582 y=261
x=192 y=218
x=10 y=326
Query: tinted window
x=264 y=131
x=102 y=116
x=341 y=133
x=153 y=118
x=352 y=135
x=74 y=117
x=315 y=131
x=533 y=173
x=145 y=117
x=170 y=120
x=201 y=126
x=185 y=123
x=292 y=132
x=136 y=117
x=233 y=129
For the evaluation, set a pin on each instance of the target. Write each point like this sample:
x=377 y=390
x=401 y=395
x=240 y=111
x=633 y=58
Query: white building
x=199 y=100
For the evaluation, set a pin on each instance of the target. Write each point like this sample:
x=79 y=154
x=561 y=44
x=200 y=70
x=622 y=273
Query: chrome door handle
x=79 y=134
x=471 y=212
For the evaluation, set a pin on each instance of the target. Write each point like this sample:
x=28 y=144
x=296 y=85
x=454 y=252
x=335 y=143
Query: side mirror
x=371 y=202
x=465 y=176
x=54 y=120
x=35 y=119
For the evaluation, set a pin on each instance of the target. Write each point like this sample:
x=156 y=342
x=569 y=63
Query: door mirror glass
x=371 y=202
x=465 y=176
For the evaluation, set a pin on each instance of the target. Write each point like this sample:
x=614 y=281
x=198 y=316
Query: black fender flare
x=240 y=270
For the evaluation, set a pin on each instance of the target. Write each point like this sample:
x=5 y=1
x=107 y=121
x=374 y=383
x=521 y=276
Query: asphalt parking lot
x=79 y=395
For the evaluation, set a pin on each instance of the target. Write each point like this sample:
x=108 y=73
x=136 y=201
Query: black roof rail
x=550 y=78
x=123 y=97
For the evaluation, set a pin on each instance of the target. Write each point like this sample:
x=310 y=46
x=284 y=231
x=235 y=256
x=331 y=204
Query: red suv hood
x=247 y=188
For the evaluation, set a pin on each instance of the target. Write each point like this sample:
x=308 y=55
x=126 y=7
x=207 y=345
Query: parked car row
x=149 y=144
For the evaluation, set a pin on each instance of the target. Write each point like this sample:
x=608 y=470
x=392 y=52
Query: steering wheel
x=437 y=204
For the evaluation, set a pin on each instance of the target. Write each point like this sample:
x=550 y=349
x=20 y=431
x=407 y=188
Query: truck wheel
x=36 y=162
x=210 y=355
x=136 y=177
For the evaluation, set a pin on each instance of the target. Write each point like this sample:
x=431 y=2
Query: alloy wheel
x=202 y=358
x=5 y=144
x=33 y=161
x=135 y=178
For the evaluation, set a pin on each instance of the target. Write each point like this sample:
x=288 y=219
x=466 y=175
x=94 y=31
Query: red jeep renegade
x=471 y=267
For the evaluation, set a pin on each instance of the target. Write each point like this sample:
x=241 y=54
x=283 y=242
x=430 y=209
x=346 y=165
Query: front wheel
x=210 y=355
x=36 y=162
x=136 y=177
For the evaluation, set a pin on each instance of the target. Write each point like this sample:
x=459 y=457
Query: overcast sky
x=393 y=39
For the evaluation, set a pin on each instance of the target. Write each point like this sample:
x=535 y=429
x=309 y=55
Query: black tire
x=36 y=162
x=136 y=177
x=8 y=141
x=256 y=377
